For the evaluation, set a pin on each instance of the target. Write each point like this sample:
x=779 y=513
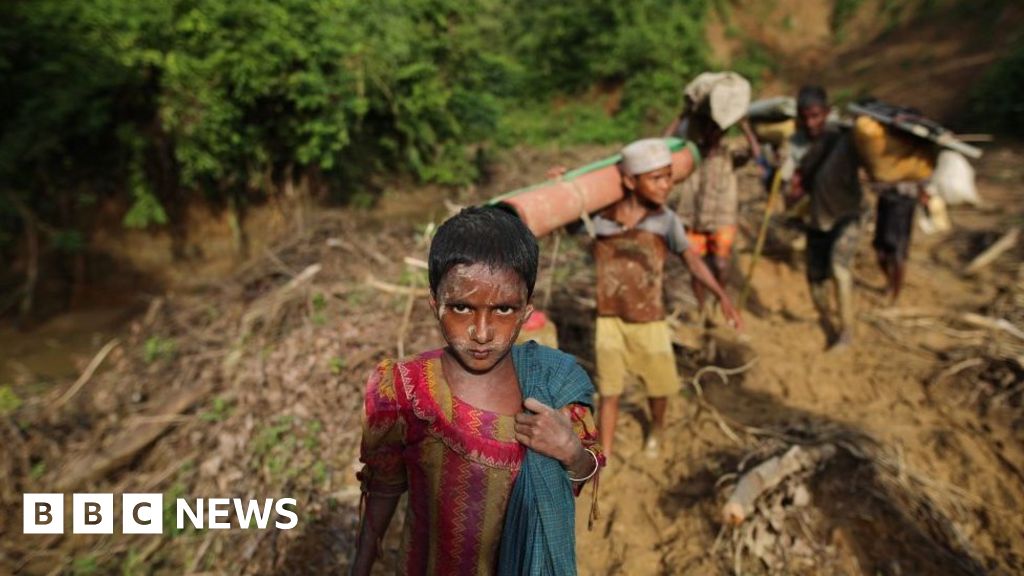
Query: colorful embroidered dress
x=458 y=462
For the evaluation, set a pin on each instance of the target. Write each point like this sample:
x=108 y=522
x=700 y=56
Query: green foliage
x=337 y=365
x=319 y=472
x=996 y=102
x=574 y=123
x=843 y=96
x=753 y=62
x=156 y=103
x=647 y=49
x=38 y=470
x=85 y=565
x=842 y=12
x=176 y=491
x=413 y=277
x=231 y=94
x=219 y=409
x=133 y=564
x=9 y=401
x=319 y=315
x=157 y=348
x=275 y=447
x=270 y=436
x=311 y=441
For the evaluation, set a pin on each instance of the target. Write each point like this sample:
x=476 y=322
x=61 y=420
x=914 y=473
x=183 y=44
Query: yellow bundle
x=775 y=133
x=890 y=156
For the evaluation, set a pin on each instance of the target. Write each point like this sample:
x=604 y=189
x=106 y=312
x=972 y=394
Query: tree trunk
x=236 y=220
x=31 y=263
x=79 y=279
x=166 y=179
x=293 y=199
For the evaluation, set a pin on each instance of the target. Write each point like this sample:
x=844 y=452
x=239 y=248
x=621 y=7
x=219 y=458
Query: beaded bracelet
x=592 y=472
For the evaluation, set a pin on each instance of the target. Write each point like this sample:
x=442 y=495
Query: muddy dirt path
x=927 y=476
x=661 y=515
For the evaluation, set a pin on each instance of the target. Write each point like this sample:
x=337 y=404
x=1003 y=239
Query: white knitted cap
x=645 y=156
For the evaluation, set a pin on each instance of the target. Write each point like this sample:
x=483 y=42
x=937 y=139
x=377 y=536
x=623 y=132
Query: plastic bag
x=953 y=179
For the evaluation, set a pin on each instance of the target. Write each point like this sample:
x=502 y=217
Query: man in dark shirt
x=827 y=172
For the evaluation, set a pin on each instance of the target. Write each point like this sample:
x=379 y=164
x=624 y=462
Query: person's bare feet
x=843 y=342
x=831 y=336
x=652 y=448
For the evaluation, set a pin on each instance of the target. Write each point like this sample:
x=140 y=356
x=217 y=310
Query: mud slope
x=887 y=49
x=911 y=387
x=253 y=386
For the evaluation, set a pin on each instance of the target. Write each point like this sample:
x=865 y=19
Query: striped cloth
x=539 y=536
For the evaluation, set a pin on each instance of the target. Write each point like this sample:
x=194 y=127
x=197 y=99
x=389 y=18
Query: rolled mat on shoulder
x=771 y=110
x=775 y=133
x=552 y=204
x=892 y=156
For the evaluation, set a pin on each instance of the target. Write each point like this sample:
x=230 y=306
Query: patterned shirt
x=458 y=462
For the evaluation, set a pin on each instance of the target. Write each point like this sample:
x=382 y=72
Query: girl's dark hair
x=484 y=235
x=811 y=96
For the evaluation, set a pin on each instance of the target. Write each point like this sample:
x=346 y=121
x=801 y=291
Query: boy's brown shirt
x=631 y=263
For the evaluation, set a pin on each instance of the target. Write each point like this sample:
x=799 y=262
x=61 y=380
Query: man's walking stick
x=761 y=235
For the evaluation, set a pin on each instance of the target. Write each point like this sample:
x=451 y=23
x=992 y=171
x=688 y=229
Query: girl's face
x=480 y=310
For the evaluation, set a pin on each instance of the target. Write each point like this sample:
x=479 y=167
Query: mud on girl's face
x=480 y=310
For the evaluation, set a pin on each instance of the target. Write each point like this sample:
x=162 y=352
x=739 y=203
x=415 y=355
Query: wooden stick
x=87 y=375
x=957 y=368
x=549 y=286
x=769 y=474
x=1008 y=241
x=123 y=448
x=975 y=137
x=157 y=419
x=278 y=262
x=201 y=553
x=409 y=302
x=357 y=250
x=306 y=275
x=762 y=234
x=269 y=304
x=404 y=327
x=1001 y=324
x=416 y=263
x=395 y=288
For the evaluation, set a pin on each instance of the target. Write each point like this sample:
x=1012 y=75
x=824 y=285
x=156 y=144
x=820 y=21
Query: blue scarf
x=539 y=536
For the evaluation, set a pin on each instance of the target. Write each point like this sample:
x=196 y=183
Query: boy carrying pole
x=634 y=237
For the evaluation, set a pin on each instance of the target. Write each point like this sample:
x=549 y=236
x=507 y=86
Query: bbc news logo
x=144 y=513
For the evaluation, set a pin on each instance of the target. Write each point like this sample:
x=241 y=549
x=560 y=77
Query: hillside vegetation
x=127 y=113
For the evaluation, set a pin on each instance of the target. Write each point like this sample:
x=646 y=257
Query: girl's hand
x=547 y=431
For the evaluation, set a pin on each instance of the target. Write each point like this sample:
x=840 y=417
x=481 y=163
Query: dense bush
x=996 y=102
x=232 y=93
x=156 y=102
